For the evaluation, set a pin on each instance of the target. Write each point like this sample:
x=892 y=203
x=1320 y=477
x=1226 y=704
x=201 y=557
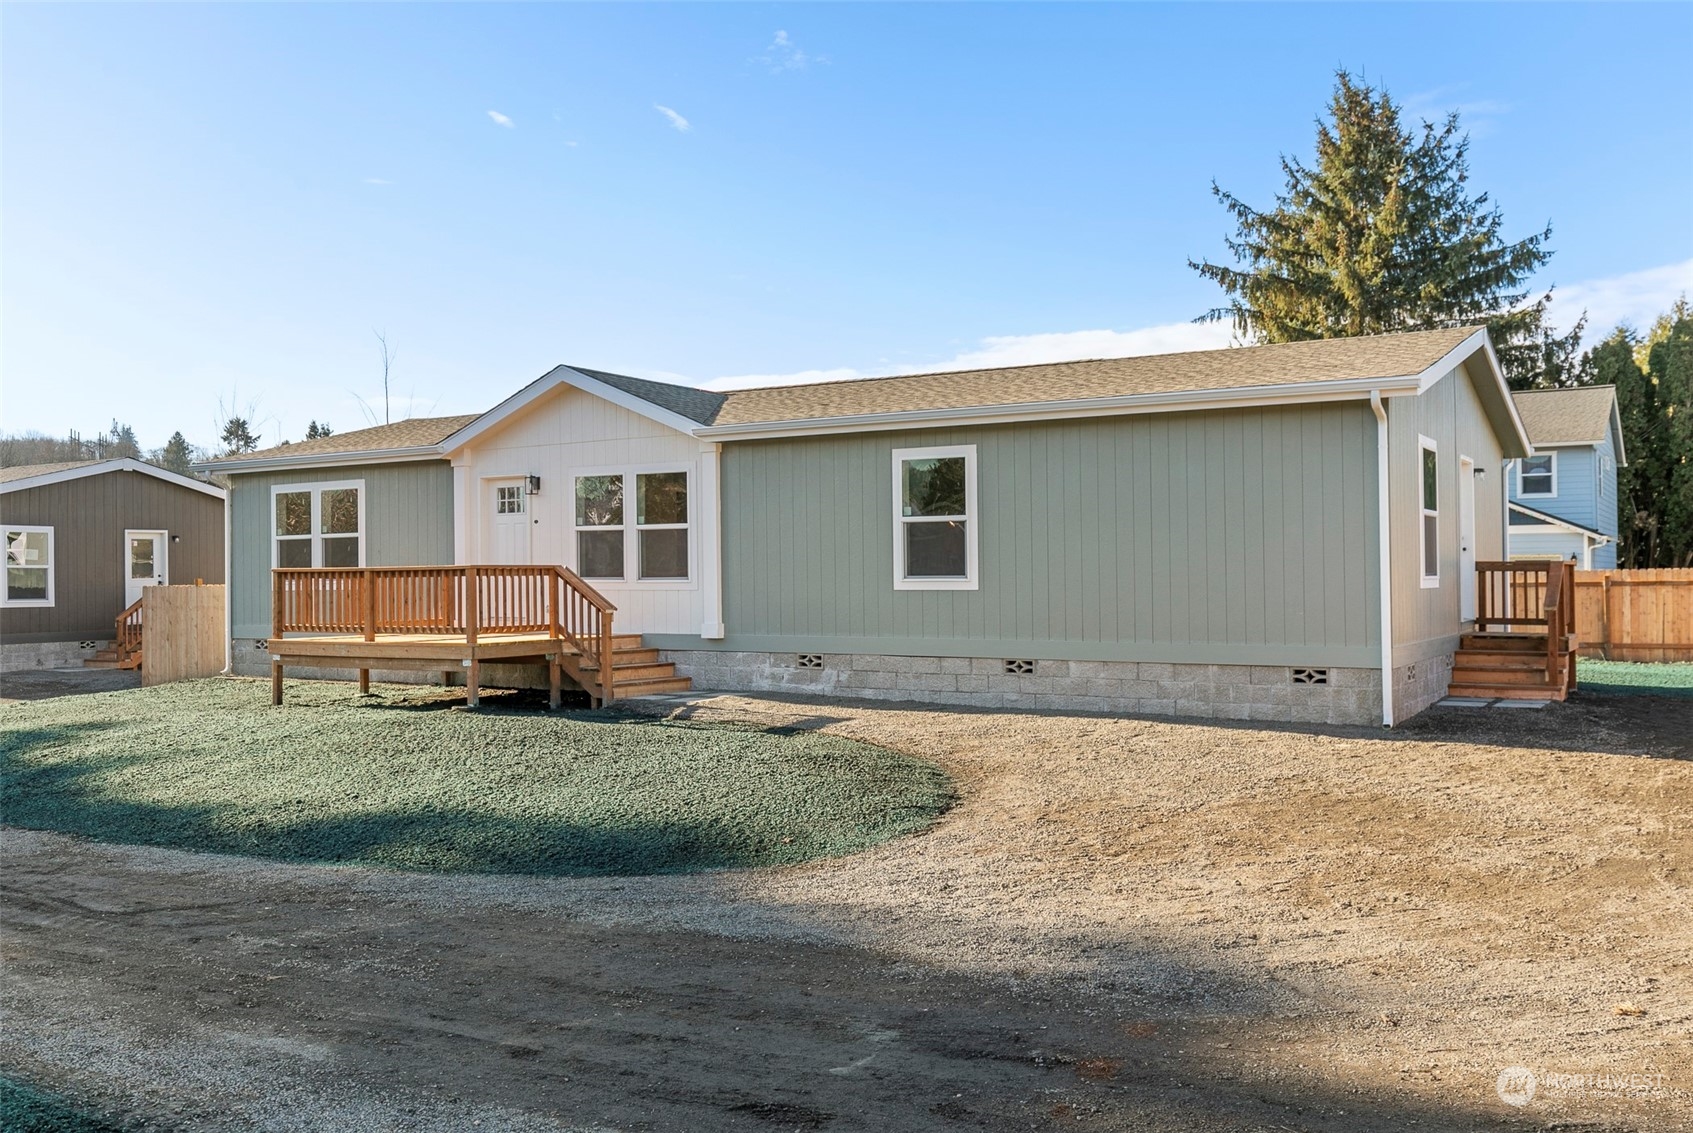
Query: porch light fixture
x=534 y=485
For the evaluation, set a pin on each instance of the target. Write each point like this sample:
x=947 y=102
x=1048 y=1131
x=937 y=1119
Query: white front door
x=1466 y=539
x=508 y=522
x=144 y=563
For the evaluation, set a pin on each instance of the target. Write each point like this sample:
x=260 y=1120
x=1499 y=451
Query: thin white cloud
x=1019 y=350
x=377 y=181
x=1635 y=298
x=676 y=120
x=501 y=120
x=784 y=54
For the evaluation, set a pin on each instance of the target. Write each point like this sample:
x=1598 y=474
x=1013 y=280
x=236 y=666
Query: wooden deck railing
x=1534 y=592
x=126 y=631
x=465 y=601
x=1559 y=608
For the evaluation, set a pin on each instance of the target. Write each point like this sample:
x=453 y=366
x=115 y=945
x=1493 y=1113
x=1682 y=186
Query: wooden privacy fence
x=1635 y=615
x=181 y=633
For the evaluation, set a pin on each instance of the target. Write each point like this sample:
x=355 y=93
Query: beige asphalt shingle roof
x=414 y=432
x=25 y=471
x=1334 y=359
x=1566 y=416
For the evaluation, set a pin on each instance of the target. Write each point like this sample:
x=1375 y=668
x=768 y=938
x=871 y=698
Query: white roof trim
x=1481 y=343
x=122 y=464
x=325 y=459
x=1550 y=520
x=1348 y=389
x=547 y=383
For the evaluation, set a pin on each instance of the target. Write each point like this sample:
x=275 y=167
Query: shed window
x=1430 y=489
x=318 y=525
x=654 y=532
x=935 y=525
x=29 y=566
x=1538 y=475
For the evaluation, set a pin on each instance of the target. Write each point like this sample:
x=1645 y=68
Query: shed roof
x=22 y=477
x=30 y=471
x=413 y=432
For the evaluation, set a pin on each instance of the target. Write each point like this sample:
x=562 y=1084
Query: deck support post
x=364 y=682
x=473 y=684
x=555 y=675
x=275 y=683
x=446 y=678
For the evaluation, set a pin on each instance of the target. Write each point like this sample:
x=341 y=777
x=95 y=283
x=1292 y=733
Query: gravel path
x=1125 y=923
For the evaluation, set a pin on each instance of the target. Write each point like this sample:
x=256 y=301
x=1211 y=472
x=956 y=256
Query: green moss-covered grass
x=1633 y=678
x=25 y=1109
x=403 y=779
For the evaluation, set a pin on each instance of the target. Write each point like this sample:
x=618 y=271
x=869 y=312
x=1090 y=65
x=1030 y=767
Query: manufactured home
x=1286 y=532
x=84 y=539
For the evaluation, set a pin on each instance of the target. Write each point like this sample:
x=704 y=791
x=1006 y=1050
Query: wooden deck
x=455 y=620
x=1524 y=643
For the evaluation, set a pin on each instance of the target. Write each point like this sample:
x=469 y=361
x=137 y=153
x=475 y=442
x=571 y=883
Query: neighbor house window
x=935 y=518
x=1538 y=475
x=647 y=542
x=29 y=566
x=1429 y=486
x=318 y=525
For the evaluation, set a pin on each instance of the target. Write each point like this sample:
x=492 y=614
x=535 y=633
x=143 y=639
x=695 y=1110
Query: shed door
x=143 y=562
x=508 y=522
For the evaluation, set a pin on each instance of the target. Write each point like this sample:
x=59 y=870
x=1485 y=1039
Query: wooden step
x=97 y=663
x=651 y=686
x=1513 y=642
x=1507 y=692
x=1494 y=675
x=133 y=661
x=621 y=673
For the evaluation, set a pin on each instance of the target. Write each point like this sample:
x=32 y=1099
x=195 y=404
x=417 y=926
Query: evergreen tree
x=116 y=444
x=176 y=456
x=1638 y=483
x=238 y=437
x=314 y=431
x=1669 y=368
x=1381 y=234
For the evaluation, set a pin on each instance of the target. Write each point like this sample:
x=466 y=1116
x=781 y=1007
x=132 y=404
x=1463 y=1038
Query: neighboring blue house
x=1563 y=499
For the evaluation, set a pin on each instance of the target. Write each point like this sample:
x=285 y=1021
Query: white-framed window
x=29 y=566
x=646 y=539
x=508 y=499
x=1428 y=488
x=318 y=525
x=1537 y=475
x=935 y=524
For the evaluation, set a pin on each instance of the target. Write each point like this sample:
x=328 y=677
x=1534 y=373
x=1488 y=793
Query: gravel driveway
x=1124 y=924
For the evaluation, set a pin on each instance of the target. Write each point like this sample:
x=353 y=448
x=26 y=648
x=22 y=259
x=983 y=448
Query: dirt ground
x=1125 y=924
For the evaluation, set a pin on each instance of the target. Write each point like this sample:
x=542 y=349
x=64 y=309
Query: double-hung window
x=647 y=542
x=29 y=566
x=1429 y=489
x=318 y=525
x=1538 y=475
x=935 y=530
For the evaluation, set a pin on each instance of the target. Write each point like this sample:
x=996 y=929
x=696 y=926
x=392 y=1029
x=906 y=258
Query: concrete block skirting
x=24 y=656
x=1418 y=686
x=1230 y=692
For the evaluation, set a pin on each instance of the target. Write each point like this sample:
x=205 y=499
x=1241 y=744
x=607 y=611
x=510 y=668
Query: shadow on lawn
x=70 y=798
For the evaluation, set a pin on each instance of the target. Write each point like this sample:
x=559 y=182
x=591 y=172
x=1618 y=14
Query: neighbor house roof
x=30 y=471
x=21 y=477
x=414 y=433
x=1302 y=371
x=1551 y=520
x=1578 y=416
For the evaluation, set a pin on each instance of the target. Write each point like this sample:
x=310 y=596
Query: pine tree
x=1381 y=234
x=1639 y=485
x=177 y=454
x=238 y=437
x=314 y=431
x=1669 y=367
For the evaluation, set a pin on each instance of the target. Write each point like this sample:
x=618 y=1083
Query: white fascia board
x=122 y=465
x=1480 y=343
x=1616 y=425
x=324 y=460
x=1547 y=519
x=551 y=380
x=1350 y=389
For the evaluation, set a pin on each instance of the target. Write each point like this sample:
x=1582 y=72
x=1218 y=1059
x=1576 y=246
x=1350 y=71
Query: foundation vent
x=87 y=644
x=1020 y=667
x=1310 y=676
x=809 y=661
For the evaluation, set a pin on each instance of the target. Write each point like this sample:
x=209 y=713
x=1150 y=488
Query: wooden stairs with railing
x=1537 y=663
x=125 y=651
x=635 y=670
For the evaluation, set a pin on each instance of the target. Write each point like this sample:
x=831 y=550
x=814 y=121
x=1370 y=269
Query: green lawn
x=1631 y=678
x=25 y=1109
x=400 y=779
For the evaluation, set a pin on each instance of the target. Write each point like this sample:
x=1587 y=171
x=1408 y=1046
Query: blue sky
x=208 y=204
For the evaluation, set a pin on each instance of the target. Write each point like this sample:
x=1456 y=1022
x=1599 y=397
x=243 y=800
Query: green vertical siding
x=1226 y=536
x=408 y=522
